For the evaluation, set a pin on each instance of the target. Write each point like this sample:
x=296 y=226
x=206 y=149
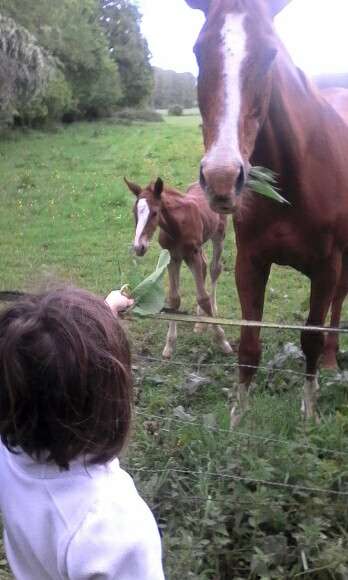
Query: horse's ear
x=203 y=5
x=136 y=189
x=158 y=187
x=277 y=5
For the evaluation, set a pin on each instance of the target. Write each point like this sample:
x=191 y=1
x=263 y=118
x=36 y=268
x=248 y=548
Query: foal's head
x=235 y=51
x=146 y=213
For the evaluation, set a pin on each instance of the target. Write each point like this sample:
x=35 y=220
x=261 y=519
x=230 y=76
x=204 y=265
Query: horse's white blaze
x=233 y=38
x=143 y=211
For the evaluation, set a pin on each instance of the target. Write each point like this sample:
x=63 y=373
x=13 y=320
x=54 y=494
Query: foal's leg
x=332 y=339
x=251 y=283
x=323 y=284
x=174 y=302
x=203 y=299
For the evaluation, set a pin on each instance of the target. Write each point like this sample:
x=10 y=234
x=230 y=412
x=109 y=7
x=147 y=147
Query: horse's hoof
x=329 y=364
x=234 y=418
x=307 y=417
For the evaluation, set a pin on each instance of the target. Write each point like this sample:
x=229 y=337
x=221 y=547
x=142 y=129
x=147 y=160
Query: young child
x=69 y=510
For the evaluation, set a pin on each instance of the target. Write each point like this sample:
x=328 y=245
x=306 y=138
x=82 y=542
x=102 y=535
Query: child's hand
x=118 y=301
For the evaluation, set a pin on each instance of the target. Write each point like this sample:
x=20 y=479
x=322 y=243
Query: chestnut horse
x=258 y=108
x=185 y=223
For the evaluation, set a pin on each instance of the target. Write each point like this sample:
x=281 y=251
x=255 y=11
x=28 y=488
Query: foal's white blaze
x=143 y=215
x=233 y=38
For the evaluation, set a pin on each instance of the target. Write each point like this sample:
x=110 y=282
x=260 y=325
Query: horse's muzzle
x=222 y=185
x=222 y=204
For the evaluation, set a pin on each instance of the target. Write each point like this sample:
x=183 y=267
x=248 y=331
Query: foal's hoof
x=167 y=353
x=200 y=327
x=226 y=348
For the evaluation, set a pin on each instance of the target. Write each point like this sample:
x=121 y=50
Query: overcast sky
x=315 y=33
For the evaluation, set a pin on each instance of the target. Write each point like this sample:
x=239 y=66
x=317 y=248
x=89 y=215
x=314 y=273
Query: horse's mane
x=308 y=84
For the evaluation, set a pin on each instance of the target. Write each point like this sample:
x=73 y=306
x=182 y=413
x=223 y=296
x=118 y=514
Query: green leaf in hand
x=149 y=295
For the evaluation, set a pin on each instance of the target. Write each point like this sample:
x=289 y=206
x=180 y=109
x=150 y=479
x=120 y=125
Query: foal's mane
x=172 y=191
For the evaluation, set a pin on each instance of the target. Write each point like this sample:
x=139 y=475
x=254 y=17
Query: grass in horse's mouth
x=262 y=180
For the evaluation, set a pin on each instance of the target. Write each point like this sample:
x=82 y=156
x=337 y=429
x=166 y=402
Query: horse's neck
x=282 y=138
x=171 y=209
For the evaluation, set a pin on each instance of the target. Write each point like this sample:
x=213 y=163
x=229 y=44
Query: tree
x=71 y=32
x=172 y=88
x=82 y=46
x=27 y=70
x=128 y=49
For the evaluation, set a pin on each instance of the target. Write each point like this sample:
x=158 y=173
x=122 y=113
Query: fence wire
x=230 y=365
x=243 y=434
x=244 y=479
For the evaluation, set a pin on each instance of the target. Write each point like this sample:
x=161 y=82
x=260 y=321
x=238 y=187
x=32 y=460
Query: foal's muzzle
x=140 y=249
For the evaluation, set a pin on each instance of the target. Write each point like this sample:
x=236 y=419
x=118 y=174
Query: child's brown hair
x=65 y=379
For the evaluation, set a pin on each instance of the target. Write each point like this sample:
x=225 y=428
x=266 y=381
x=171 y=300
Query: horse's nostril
x=202 y=180
x=240 y=180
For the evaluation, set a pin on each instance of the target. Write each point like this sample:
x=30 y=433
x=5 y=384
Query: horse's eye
x=154 y=214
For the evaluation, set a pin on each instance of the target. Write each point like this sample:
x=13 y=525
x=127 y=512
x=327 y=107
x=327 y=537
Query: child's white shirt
x=88 y=522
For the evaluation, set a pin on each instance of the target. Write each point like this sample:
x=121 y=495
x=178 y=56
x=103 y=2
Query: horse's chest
x=286 y=243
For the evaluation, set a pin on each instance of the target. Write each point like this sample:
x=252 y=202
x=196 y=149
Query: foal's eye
x=154 y=214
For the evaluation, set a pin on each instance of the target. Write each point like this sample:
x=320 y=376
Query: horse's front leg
x=174 y=302
x=196 y=264
x=332 y=341
x=216 y=264
x=251 y=283
x=323 y=284
x=199 y=326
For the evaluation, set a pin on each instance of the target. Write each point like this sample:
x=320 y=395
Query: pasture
x=266 y=501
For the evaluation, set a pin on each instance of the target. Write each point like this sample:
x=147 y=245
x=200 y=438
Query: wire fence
x=339 y=377
x=177 y=316
x=10 y=295
x=242 y=434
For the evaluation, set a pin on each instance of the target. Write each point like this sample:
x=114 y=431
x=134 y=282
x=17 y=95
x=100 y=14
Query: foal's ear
x=158 y=187
x=276 y=6
x=203 y=5
x=136 y=189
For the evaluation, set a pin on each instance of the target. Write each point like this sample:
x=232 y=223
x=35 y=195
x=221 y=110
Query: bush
x=129 y=115
x=175 y=111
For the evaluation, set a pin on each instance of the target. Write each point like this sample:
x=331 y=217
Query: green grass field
x=266 y=501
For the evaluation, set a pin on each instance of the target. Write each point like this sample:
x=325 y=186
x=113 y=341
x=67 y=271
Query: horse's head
x=146 y=213
x=235 y=50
